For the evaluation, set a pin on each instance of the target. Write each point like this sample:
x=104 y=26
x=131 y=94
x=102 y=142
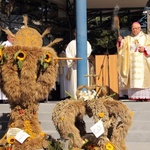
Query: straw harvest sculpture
x=116 y=117
x=28 y=73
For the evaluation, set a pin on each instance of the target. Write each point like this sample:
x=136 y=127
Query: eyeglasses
x=135 y=28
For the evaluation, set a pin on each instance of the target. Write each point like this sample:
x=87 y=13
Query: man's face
x=10 y=38
x=136 y=28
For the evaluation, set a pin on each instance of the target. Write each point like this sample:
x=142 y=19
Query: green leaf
x=16 y=54
x=20 y=64
x=5 y=56
x=42 y=59
x=70 y=135
x=69 y=94
x=113 y=94
x=2 y=47
x=45 y=65
x=1 y=62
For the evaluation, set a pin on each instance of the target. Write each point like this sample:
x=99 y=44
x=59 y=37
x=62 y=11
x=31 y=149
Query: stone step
x=139 y=131
x=48 y=107
x=44 y=116
x=138 y=136
x=47 y=125
x=136 y=125
x=53 y=133
x=138 y=145
x=5 y=108
x=140 y=115
x=138 y=106
x=140 y=125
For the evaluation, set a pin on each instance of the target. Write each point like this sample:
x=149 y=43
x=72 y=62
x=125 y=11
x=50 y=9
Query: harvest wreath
x=116 y=117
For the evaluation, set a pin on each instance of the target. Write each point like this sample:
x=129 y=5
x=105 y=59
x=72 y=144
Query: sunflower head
x=11 y=140
x=20 y=55
x=42 y=134
x=101 y=115
x=48 y=57
x=109 y=146
x=1 y=54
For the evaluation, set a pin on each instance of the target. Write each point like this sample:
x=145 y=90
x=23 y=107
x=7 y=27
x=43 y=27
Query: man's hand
x=141 y=49
x=119 y=38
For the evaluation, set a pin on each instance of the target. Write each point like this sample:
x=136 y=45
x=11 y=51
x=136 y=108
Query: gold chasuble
x=133 y=66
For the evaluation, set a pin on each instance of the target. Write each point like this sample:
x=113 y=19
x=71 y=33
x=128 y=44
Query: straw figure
x=115 y=115
x=28 y=73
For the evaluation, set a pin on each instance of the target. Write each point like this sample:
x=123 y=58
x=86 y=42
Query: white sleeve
x=89 y=49
x=71 y=52
x=147 y=49
x=4 y=44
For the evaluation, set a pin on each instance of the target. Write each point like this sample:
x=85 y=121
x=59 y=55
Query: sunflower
x=20 y=56
x=101 y=115
x=42 y=133
x=109 y=146
x=10 y=140
x=1 y=54
x=48 y=57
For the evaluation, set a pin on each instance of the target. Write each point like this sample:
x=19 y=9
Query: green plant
x=70 y=135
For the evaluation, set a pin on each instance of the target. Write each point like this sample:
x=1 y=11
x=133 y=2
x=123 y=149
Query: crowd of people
x=133 y=65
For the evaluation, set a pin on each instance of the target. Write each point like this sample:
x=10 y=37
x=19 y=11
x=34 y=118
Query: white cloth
x=2 y=95
x=136 y=93
x=6 y=43
x=71 y=53
x=63 y=68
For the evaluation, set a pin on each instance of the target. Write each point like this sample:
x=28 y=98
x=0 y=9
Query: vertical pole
x=81 y=28
x=148 y=21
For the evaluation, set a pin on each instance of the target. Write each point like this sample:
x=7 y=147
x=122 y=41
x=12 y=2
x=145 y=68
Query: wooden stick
x=91 y=75
x=118 y=32
x=65 y=58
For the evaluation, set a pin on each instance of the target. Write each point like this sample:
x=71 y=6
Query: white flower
x=87 y=95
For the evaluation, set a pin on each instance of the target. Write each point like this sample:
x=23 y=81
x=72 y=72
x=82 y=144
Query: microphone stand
x=107 y=61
